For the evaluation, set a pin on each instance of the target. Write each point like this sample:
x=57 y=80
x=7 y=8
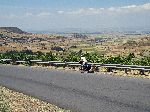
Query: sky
x=96 y=15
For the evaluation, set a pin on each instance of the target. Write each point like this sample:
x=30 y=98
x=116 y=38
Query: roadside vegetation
x=4 y=104
x=11 y=101
x=75 y=57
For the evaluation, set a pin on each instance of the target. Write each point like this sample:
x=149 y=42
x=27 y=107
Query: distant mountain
x=89 y=30
x=13 y=30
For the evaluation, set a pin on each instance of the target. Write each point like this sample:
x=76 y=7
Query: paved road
x=79 y=92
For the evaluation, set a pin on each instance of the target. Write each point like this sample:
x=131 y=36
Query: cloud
x=9 y=16
x=28 y=14
x=132 y=8
x=124 y=16
x=123 y=9
x=43 y=14
x=87 y=11
x=84 y=11
x=13 y=16
x=146 y=6
x=60 y=12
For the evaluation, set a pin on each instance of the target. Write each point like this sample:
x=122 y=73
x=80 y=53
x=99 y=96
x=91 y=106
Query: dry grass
x=11 y=101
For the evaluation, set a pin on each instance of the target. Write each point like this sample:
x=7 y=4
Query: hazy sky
x=88 y=14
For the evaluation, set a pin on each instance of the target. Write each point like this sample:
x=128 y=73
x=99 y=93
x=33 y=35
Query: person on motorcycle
x=84 y=65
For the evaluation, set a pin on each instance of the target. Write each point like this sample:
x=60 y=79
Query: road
x=79 y=92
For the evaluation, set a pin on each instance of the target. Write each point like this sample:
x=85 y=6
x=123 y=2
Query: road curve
x=79 y=92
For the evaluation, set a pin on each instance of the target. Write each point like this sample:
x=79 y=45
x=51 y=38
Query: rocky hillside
x=12 y=30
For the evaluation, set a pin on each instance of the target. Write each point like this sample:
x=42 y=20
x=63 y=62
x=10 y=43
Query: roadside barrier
x=73 y=65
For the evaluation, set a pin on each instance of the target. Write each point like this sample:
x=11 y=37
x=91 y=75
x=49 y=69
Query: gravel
x=11 y=101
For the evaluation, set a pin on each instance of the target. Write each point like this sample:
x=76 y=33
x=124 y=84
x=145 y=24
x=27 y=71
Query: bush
x=72 y=57
x=75 y=57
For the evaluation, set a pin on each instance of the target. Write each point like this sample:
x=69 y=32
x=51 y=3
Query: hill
x=12 y=30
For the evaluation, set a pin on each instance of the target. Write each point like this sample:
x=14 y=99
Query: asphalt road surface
x=79 y=92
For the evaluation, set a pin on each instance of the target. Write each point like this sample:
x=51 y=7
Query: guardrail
x=73 y=65
x=127 y=68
